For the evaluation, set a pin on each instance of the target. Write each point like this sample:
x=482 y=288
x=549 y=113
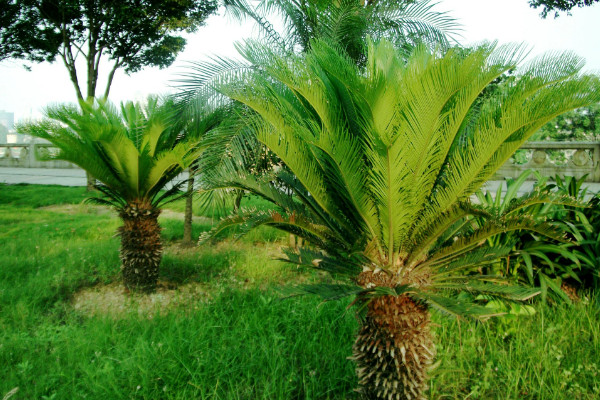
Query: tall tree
x=198 y=120
x=347 y=22
x=558 y=6
x=381 y=163
x=128 y=34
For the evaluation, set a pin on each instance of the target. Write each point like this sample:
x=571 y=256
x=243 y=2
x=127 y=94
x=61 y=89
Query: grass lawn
x=218 y=328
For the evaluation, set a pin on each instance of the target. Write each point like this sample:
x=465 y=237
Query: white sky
x=26 y=93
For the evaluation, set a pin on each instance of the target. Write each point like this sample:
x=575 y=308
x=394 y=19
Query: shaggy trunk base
x=141 y=247
x=394 y=349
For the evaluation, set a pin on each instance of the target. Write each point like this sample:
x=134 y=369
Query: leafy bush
x=531 y=259
x=543 y=262
x=583 y=227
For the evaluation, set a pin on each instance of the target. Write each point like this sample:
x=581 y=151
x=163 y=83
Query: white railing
x=548 y=158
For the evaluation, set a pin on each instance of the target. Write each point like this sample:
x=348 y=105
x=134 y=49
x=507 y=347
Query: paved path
x=47 y=176
x=43 y=176
x=76 y=177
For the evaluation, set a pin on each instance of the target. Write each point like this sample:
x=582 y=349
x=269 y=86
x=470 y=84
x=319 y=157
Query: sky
x=26 y=93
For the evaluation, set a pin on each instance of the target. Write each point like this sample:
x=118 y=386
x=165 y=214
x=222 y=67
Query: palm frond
x=455 y=308
x=504 y=292
x=381 y=161
x=331 y=263
x=327 y=292
x=132 y=152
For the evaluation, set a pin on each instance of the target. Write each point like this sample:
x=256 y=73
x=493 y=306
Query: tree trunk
x=141 y=247
x=90 y=182
x=394 y=348
x=238 y=200
x=187 y=219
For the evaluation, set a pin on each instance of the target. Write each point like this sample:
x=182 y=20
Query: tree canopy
x=348 y=23
x=131 y=34
x=558 y=6
x=580 y=124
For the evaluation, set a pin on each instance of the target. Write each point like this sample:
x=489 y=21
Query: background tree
x=558 y=6
x=380 y=166
x=347 y=23
x=135 y=153
x=199 y=119
x=126 y=33
x=580 y=124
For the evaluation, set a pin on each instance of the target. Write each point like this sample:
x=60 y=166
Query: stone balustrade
x=555 y=158
x=548 y=158
x=26 y=155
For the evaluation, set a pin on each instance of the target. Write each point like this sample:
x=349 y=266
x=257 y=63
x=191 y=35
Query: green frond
x=416 y=21
x=132 y=151
x=477 y=238
x=331 y=263
x=327 y=292
x=504 y=292
x=98 y=201
x=454 y=307
x=474 y=259
x=299 y=225
x=519 y=204
x=425 y=237
x=384 y=157
x=121 y=154
x=170 y=195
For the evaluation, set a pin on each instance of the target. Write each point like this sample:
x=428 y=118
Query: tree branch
x=79 y=50
x=67 y=57
x=111 y=75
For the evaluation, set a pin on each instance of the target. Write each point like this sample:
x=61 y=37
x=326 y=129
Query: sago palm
x=135 y=154
x=380 y=166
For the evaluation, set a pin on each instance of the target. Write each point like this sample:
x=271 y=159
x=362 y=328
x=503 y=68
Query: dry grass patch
x=73 y=209
x=115 y=301
x=170 y=214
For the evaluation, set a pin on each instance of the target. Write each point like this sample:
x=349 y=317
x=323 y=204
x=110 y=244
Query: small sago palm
x=134 y=154
x=380 y=166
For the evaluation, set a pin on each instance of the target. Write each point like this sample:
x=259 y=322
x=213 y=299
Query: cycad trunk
x=394 y=349
x=141 y=247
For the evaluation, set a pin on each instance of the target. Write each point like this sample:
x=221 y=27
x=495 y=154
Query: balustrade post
x=31 y=155
x=596 y=163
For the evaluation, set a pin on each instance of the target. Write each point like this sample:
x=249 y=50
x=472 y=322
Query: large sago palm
x=135 y=154
x=380 y=164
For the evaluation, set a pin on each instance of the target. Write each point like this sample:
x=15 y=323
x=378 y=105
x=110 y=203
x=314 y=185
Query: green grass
x=237 y=339
x=554 y=354
x=40 y=195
